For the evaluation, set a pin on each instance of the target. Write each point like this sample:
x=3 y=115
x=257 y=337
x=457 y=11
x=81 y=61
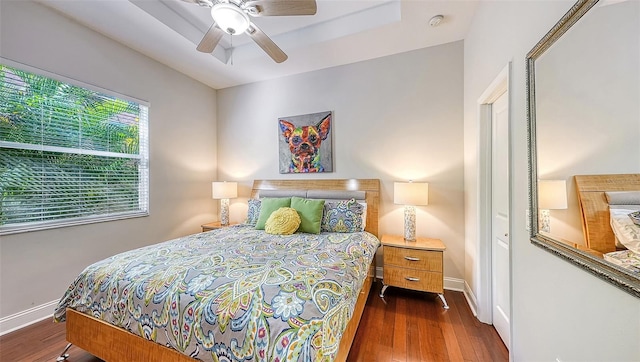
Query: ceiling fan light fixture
x=230 y=18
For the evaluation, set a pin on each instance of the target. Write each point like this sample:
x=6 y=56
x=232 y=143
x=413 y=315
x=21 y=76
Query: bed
x=595 y=210
x=251 y=288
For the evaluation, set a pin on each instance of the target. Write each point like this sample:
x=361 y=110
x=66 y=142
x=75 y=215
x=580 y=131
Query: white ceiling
x=342 y=32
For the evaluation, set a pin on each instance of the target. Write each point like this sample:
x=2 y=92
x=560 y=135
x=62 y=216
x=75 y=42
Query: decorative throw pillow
x=364 y=214
x=269 y=205
x=284 y=221
x=254 y=212
x=342 y=217
x=310 y=214
x=635 y=217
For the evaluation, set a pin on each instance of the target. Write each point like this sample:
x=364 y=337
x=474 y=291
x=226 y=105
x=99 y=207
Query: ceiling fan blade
x=281 y=7
x=206 y=3
x=266 y=44
x=210 y=39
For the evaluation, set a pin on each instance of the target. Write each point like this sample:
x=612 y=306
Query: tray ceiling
x=341 y=32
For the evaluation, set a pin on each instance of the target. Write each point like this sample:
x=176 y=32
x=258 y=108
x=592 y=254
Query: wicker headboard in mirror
x=594 y=208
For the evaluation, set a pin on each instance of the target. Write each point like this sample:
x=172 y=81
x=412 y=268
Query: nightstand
x=415 y=265
x=213 y=226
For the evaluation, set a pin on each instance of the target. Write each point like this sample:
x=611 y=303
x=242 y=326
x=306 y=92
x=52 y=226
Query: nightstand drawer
x=413 y=258
x=413 y=279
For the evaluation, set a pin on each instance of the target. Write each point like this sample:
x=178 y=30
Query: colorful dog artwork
x=305 y=143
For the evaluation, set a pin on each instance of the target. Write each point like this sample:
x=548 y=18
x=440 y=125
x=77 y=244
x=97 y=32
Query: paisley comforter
x=232 y=294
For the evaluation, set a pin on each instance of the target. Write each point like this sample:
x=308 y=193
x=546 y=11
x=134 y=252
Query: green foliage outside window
x=66 y=151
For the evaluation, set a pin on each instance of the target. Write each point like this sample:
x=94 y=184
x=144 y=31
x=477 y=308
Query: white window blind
x=68 y=154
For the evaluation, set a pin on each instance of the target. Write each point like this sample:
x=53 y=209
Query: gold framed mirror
x=583 y=92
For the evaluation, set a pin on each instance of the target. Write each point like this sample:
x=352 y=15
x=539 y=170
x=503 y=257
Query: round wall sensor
x=436 y=20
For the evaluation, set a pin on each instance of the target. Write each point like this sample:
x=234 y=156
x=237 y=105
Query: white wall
x=558 y=311
x=37 y=267
x=395 y=118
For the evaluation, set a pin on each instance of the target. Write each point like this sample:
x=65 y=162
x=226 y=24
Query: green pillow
x=310 y=214
x=268 y=206
x=284 y=221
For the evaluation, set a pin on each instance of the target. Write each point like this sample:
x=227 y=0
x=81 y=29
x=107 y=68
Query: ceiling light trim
x=171 y=15
x=374 y=17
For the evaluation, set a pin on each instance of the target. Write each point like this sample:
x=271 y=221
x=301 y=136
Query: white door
x=501 y=294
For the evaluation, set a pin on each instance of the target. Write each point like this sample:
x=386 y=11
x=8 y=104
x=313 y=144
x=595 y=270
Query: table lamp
x=223 y=191
x=552 y=195
x=410 y=194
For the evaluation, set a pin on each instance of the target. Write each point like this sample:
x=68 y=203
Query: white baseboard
x=26 y=317
x=379 y=273
x=471 y=299
x=454 y=284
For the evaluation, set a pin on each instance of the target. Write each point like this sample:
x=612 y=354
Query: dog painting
x=305 y=143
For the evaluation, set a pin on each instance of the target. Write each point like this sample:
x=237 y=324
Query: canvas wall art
x=305 y=143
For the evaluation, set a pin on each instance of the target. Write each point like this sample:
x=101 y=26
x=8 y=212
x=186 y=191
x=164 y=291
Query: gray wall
x=37 y=267
x=395 y=118
x=559 y=312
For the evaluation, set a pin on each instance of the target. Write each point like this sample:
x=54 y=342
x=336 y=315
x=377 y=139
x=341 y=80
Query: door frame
x=484 y=248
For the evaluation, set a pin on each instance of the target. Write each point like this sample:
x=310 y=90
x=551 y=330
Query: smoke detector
x=435 y=21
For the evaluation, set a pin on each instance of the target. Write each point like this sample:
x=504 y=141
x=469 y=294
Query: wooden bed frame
x=594 y=208
x=111 y=343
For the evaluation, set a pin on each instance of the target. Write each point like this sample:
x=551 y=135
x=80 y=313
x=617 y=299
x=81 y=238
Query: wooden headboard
x=371 y=187
x=594 y=209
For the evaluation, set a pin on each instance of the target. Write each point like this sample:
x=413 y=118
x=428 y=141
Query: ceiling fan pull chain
x=231 y=50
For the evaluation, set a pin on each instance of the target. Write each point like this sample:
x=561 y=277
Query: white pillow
x=627 y=233
x=364 y=214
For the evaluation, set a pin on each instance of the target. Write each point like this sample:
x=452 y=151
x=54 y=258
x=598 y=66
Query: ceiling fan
x=232 y=17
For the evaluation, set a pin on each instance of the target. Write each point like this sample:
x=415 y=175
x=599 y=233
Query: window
x=69 y=153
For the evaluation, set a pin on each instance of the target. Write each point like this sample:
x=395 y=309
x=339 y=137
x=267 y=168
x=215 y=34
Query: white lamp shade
x=411 y=193
x=552 y=194
x=224 y=190
x=230 y=18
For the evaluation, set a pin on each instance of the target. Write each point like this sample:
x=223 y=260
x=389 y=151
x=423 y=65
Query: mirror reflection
x=587 y=132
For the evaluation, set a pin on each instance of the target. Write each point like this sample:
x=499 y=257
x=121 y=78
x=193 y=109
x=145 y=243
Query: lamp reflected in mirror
x=552 y=195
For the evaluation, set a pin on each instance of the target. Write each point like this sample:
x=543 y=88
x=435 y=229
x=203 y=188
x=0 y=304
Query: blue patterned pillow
x=635 y=217
x=253 y=212
x=342 y=216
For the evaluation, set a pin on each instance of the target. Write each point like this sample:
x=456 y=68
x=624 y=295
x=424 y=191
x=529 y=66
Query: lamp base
x=409 y=223
x=224 y=212
x=545 y=221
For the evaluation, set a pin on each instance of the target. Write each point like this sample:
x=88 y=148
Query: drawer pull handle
x=411 y=279
x=410 y=258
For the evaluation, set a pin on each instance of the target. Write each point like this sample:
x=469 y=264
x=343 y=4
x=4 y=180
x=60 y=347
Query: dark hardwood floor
x=405 y=326
x=412 y=326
